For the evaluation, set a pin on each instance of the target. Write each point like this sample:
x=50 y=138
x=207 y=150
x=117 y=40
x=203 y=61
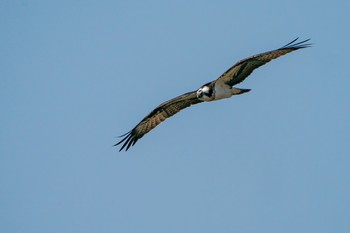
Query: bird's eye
x=199 y=93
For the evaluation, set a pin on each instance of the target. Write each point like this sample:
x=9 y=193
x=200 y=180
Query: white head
x=205 y=93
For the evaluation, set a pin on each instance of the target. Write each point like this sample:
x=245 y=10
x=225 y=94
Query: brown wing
x=154 y=118
x=242 y=69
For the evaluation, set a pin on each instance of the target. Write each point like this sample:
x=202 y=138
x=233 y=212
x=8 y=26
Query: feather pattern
x=242 y=69
x=154 y=118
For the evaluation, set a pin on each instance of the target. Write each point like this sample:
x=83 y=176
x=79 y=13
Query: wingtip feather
x=297 y=45
x=128 y=141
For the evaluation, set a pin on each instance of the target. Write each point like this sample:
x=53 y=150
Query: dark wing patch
x=154 y=118
x=242 y=69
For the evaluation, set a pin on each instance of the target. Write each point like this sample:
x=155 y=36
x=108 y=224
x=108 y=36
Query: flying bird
x=221 y=88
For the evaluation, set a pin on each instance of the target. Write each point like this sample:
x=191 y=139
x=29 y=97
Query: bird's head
x=205 y=93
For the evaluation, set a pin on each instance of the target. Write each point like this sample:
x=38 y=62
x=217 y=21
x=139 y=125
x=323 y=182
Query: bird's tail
x=238 y=91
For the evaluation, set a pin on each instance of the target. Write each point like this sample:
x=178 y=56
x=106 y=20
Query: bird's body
x=222 y=91
x=216 y=90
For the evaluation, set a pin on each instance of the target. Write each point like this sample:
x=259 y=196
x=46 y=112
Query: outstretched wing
x=242 y=69
x=154 y=118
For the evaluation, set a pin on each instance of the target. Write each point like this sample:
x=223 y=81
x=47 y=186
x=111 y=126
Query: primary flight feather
x=218 y=89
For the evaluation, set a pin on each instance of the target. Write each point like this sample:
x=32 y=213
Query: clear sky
x=74 y=75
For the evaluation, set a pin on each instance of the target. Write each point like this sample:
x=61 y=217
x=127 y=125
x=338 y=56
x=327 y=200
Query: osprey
x=216 y=90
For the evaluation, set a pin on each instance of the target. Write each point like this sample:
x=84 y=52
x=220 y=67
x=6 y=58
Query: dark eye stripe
x=210 y=92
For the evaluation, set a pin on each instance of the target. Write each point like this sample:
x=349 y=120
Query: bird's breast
x=222 y=91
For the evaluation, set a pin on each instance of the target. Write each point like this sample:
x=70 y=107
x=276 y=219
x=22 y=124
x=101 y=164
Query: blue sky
x=76 y=74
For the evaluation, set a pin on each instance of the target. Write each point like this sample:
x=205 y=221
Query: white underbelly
x=222 y=91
